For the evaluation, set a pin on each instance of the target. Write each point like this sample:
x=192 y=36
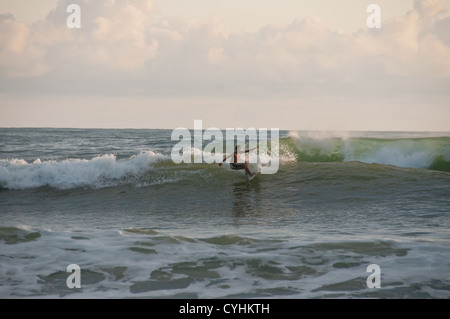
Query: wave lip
x=100 y=171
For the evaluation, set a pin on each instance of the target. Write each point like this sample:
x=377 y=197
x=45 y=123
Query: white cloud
x=127 y=46
x=19 y=56
x=113 y=37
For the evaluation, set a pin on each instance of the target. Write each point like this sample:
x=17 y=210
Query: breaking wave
x=100 y=171
x=410 y=152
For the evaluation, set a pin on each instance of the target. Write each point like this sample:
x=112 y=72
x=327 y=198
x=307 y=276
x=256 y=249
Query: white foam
x=396 y=157
x=96 y=172
x=402 y=150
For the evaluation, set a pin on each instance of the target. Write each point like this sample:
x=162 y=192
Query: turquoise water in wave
x=140 y=226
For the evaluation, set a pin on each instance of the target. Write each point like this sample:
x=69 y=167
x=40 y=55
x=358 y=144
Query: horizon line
x=190 y=128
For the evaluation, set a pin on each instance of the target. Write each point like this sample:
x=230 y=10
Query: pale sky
x=288 y=64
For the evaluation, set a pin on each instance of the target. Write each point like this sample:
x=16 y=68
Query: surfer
x=238 y=166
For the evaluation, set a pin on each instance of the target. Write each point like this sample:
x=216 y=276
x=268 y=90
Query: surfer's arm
x=256 y=148
x=224 y=159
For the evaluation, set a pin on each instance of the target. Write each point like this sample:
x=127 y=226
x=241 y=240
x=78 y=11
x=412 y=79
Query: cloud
x=442 y=30
x=410 y=46
x=428 y=10
x=19 y=56
x=128 y=47
x=113 y=37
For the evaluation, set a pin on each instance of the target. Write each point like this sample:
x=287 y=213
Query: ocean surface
x=140 y=226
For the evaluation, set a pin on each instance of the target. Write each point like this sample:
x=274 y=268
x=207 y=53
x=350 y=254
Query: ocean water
x=140 y=226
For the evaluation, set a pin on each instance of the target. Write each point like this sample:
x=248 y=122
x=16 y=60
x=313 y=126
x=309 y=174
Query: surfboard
x=256 y=171
x=253 y=176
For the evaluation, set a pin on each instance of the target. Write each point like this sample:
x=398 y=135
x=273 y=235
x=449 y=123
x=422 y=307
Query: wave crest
x=100 y=171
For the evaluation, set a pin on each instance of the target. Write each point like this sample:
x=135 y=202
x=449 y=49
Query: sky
x=287 y=64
